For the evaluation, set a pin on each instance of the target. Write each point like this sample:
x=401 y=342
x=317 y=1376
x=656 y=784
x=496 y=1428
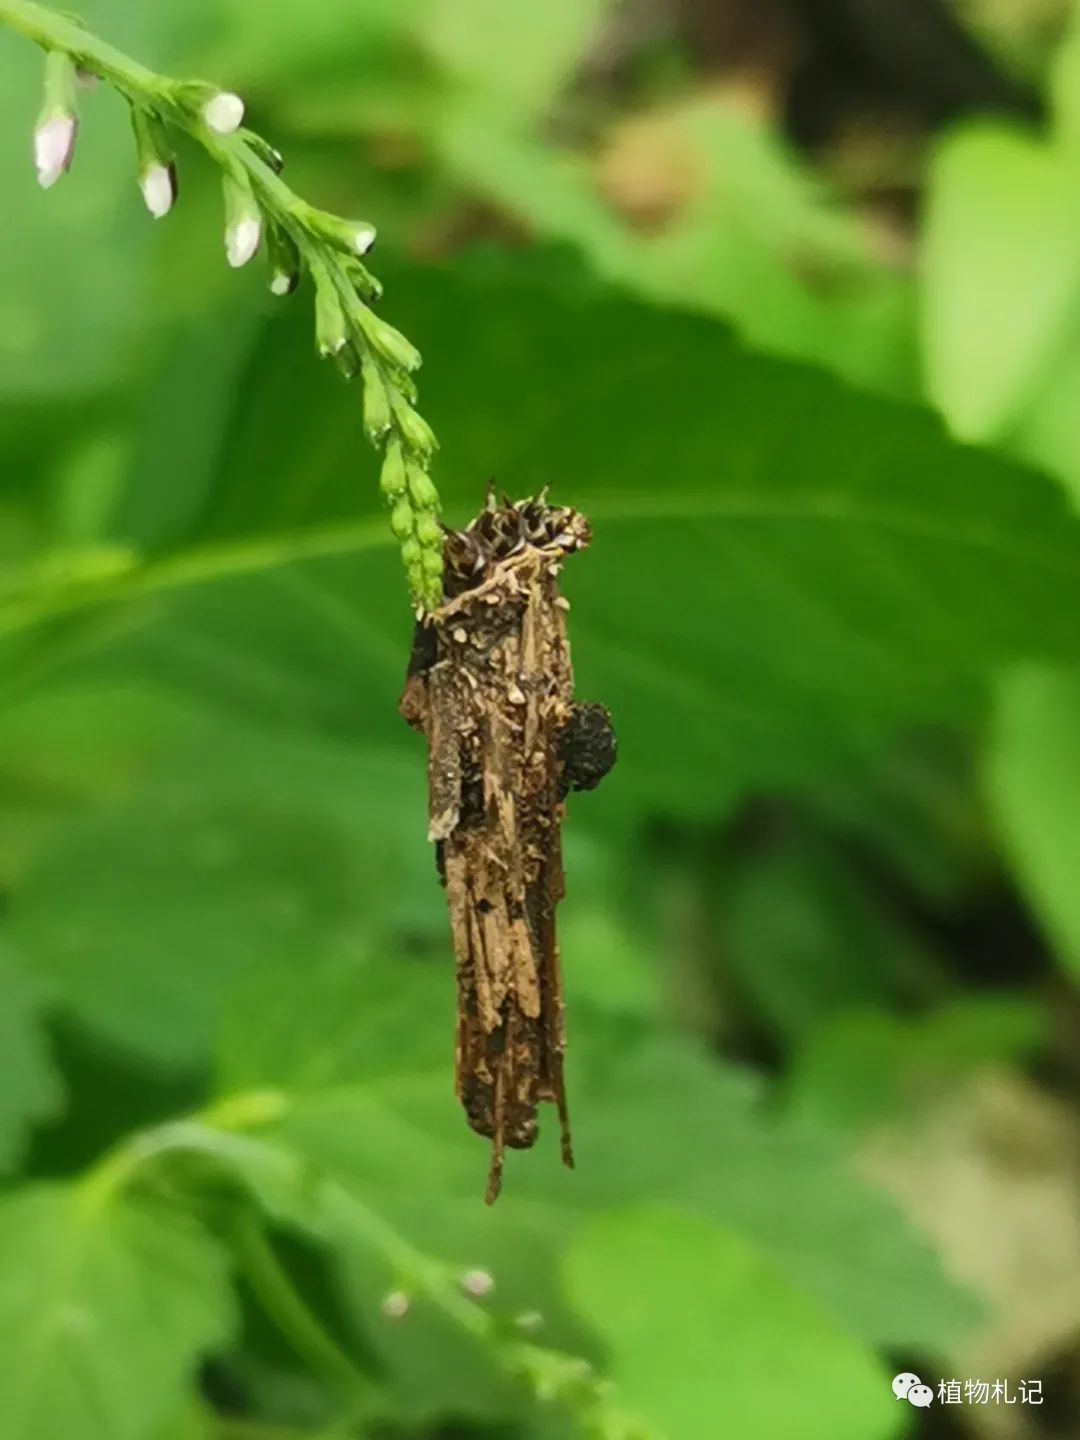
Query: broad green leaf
x=106 y=1309
x=236 y=855
x=783 y=571
x=341 y=1019
x=653 y=1119
x=62 y=750
x=1033 y=784
x=663 y=1124
x=706 y=1336
x=356 y=1173
x=30 y=1088
x=364 y=1051
x=997 y=310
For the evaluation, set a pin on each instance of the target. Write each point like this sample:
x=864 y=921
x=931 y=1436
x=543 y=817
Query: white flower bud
x=158 y=186
x=154 y=156
x=242 y=240
x=243 y=218
x=54 y=136
x=364 y=238
x=54 y=146
x=223 y=112
x=396 y=1305
x=284 y=282
x=477 y=1283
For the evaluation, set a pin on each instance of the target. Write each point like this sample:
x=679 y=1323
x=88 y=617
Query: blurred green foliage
x=831 y=603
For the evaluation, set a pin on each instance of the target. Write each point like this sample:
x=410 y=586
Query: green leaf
x=663 y=1124
x=105 y=1311
x=653 y=1120
x=781 y=574
x=343 y=1018
x=987 y=358
x=30 y=1088
x=707 y=1337
x=235 y=855
x=1033 y=785
x=364 y=1050
x=61 y=750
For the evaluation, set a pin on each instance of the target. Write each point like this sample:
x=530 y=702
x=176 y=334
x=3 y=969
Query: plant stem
x=281 y=1301
x=53 y=31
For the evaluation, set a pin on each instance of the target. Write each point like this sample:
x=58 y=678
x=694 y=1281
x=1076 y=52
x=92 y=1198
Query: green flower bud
x=422 y=489
x=388 y=342
x=411 y=552
x=331 y=327
x=431 y=596
x=354 y=237
x=362 y=280
x=377 y=415
x=403 y=383
x=415 y=431
x=432 y=563
x=393 y=479
x=401 y=520
x=427 y=529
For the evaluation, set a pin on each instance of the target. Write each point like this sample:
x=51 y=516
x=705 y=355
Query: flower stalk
x=261 y=210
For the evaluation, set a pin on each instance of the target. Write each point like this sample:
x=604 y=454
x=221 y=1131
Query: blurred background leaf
x=728 y=275
x=104 y=1311
x=30 y=1088
x=782 y=1353
x=1032 y=770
